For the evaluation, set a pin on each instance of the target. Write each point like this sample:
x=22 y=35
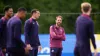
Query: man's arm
x=0 y=25
x=54 y=35
x=63 y=35
x=39 y=45
x=91 y=34
x=27 y=31
x=17 y=34
x=39 y=41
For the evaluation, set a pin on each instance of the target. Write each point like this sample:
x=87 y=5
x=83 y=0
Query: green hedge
x=55 y=6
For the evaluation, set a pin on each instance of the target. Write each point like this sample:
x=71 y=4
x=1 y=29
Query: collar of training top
x=85 y=15
x=32 y=19
x=4 y=18
x=57 y=27
x=16 y=16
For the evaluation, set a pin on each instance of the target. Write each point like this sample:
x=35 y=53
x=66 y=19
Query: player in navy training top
x=15 y=45
x=3 y=29
x=31 y=33
x=84 y=32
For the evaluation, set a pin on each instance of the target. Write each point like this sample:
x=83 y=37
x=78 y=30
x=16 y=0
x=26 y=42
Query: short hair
x=85 y=6
x=21 y=9
x=58 y=16
x=6 y=8
x=34 y=11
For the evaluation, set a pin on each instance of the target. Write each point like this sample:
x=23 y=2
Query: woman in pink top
x=57 y=35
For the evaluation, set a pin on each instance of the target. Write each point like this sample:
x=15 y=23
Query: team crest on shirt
x=33 y=23
x=52 y=51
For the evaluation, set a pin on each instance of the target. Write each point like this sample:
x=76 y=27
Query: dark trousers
x=33 y=52
x=81 y=51
x=16 y=52
x=55 y=51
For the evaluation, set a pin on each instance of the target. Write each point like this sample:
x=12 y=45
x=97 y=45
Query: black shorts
x=55 y=51
x=81 y=51
x=16 y=51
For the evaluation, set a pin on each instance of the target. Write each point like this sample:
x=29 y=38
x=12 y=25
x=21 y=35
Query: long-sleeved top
x=31 y=32
x=14 y=33
x=57 y=35
x=85 y=32
x=3 y=32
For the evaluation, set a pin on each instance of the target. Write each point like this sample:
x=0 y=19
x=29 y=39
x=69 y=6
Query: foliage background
x=69 y=9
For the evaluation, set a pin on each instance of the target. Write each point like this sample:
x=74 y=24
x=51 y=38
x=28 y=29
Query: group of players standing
x=10 y=33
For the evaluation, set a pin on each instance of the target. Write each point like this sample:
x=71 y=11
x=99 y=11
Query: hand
x=54 y=33
x=39 y=48
x=26 y=50
x=95 y=52
x=4 y=49
x=29 y=47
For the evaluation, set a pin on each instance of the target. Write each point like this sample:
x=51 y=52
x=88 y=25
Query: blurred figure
x=3 y=31
x=15 y=45
x=84 y=32
x=57 y=35
x=31 y=33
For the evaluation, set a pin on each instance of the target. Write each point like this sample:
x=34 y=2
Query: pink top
x=57 y=35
